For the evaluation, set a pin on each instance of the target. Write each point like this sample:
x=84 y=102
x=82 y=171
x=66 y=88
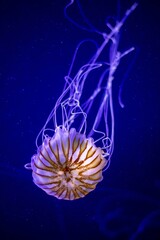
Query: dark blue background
x=36 y=47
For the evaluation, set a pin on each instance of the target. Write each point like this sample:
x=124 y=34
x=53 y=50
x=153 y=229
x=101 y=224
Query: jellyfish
x=75 y=149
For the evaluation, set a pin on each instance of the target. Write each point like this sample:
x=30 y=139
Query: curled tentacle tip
x=28 y=166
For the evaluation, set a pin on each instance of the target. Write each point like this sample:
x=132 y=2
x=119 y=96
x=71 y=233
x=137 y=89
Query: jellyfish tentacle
x=90 y=27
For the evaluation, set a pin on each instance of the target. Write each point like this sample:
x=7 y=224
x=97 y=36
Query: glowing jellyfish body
x=69 y=164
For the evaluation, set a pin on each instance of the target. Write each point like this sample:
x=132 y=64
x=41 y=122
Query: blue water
x=36 y=47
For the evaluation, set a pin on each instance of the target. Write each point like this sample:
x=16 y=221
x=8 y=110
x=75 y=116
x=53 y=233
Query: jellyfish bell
x=68 y=165
x=70 y=159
